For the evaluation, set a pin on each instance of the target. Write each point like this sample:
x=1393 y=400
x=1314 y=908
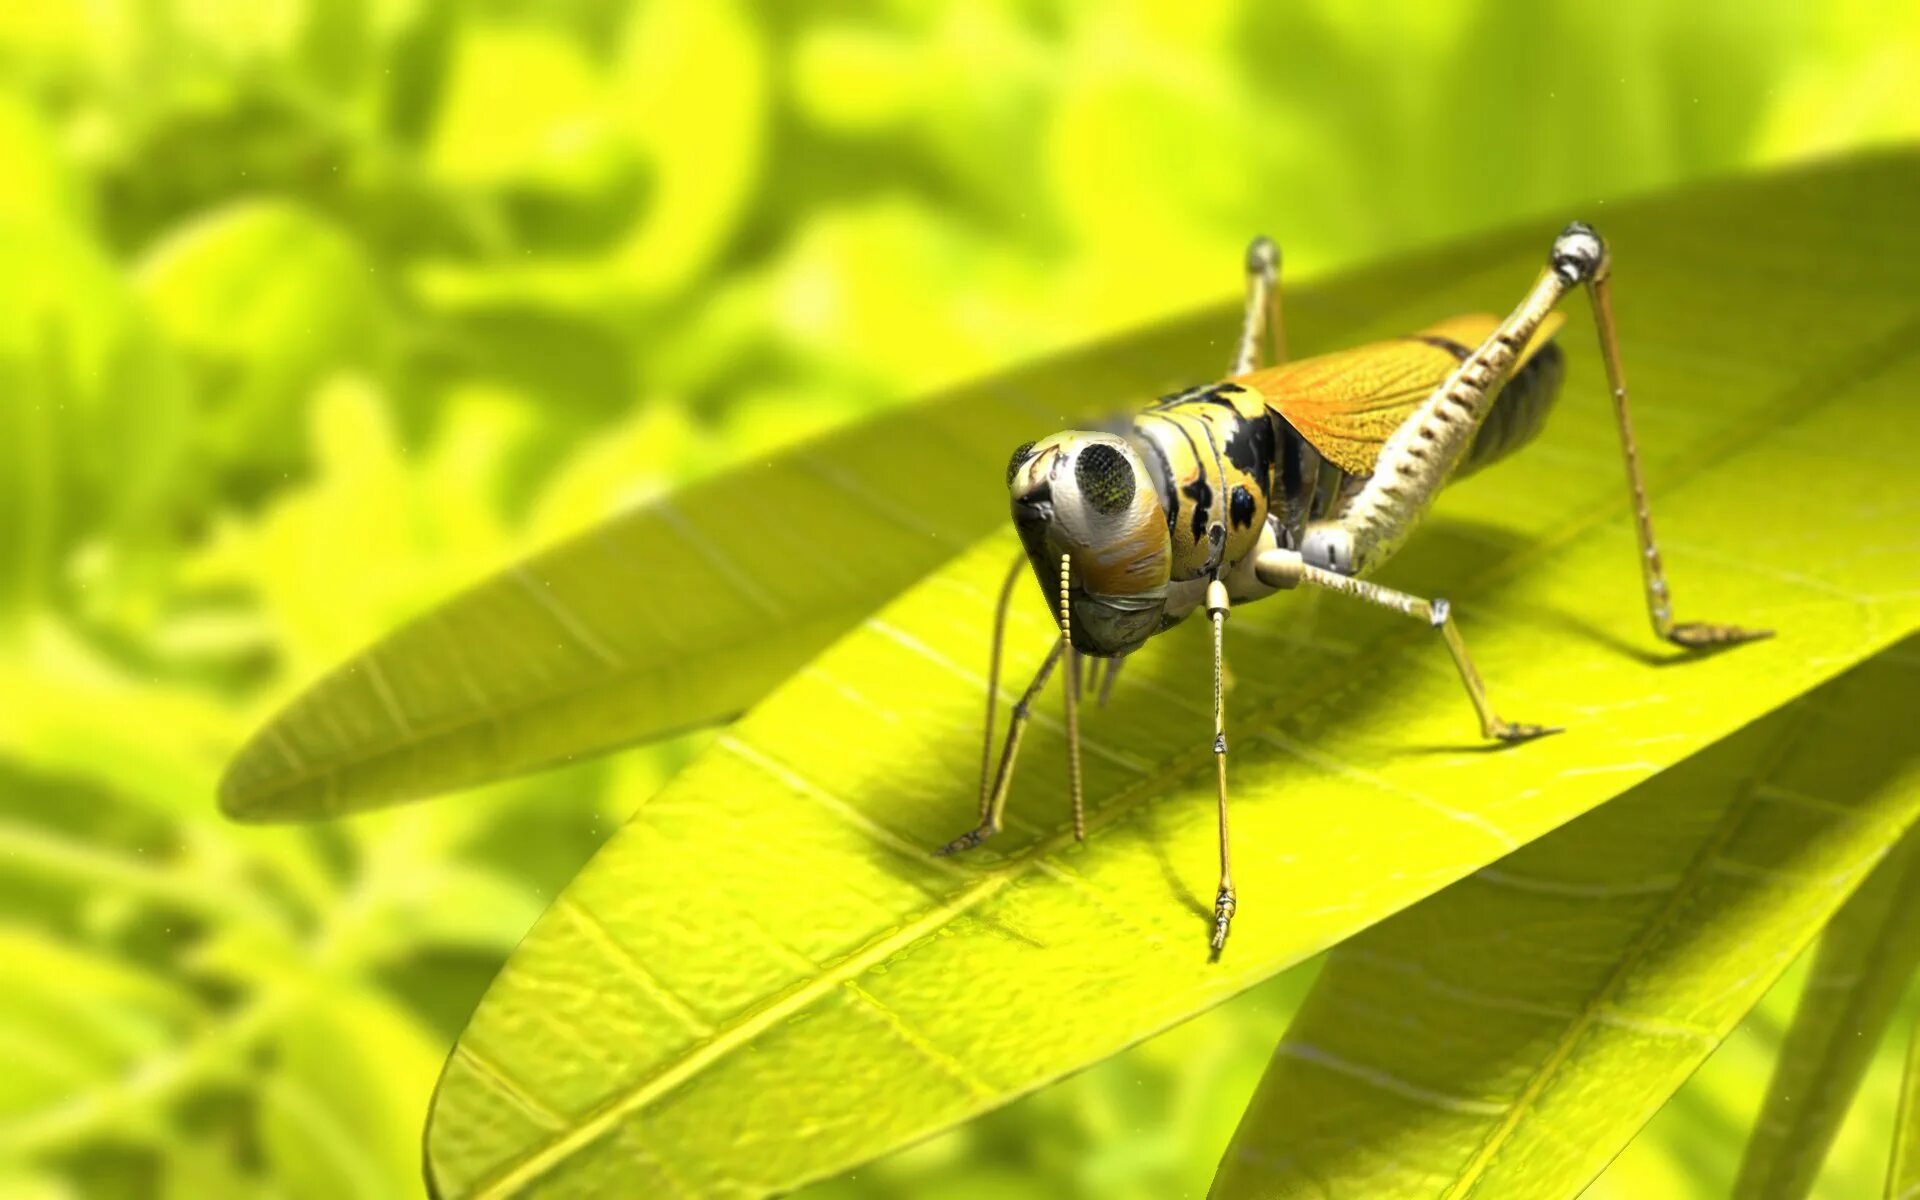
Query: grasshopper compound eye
x=1105 y=478
x=1019 y=459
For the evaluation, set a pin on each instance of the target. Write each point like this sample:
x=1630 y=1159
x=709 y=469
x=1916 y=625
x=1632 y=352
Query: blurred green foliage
x=313 y=310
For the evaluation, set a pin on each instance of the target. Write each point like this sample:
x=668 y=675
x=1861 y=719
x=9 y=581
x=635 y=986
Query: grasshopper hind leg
x=1581 y=255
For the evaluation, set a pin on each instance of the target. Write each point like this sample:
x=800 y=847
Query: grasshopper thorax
x=1087 y=497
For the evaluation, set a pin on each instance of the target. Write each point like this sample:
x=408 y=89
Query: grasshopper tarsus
x=1703 y=635
x=966 y=841
x=1514 y=732
x=1223 y=909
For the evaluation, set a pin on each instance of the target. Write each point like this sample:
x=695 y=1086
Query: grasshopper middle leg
x=1286 y=569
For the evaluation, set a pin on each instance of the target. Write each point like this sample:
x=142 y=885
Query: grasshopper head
x=1086 y=496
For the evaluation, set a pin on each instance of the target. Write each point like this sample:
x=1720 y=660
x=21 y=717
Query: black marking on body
x=1241 y=507
x=1201 y=493
x=1202 y=393
x=1251 y=447
x=1292 y=461
x=1306 y=486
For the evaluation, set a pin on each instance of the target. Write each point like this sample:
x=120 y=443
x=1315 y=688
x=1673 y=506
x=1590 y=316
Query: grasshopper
x=1296 y=474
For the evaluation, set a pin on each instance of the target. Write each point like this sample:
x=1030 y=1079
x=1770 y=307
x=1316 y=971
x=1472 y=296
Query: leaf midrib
x=1790 y=407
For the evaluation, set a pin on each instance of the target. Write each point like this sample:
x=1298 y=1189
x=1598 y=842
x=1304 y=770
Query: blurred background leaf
x=1863 y=965
x=1903 y=1172
x=715 y=229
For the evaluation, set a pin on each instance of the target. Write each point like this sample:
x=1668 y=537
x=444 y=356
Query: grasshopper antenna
x=993 y=683
x=1071 y=681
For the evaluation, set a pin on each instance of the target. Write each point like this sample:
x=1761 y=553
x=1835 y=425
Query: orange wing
x=1348 y=403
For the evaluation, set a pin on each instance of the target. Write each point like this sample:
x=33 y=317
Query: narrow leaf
x=1866 y=957
x=1903 y=1173
x=1510 y=1035
x=766 y=979
x=684 y=611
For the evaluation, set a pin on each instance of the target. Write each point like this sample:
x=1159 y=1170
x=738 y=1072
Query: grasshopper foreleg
x=993 y=679
x=1009 y=752
x=1224 y=900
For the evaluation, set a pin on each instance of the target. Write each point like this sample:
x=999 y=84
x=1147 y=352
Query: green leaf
x=687 y=610
x=1903 y=1172
x=268 y=298
x=94 y=427
x=71 y=1017
x=1509 y=1036
x=349 y=1089
x=1866 y=958
x=765 y=978
x=39 y=187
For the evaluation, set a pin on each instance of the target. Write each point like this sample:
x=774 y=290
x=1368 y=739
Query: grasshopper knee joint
x=1579 y=254
x=1263 y=257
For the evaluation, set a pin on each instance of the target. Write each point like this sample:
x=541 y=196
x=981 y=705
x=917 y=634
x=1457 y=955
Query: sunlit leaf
x=683 y=612
x=1903 y=1172
x=1508 y=1036
x=1866 y=958
x=765 y=978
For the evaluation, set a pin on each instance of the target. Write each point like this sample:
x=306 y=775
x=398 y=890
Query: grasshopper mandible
x=1304 y=474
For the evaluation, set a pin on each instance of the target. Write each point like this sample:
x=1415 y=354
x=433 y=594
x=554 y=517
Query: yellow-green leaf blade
x=1865 y=959
x=1507 y=1037
x=765 y=979
x=685 y=611
x=1903 y=1172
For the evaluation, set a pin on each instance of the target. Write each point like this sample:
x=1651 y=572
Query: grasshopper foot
x=1519 y=731
x=967 y=840
x=1223 y=907
x=1702 y=635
